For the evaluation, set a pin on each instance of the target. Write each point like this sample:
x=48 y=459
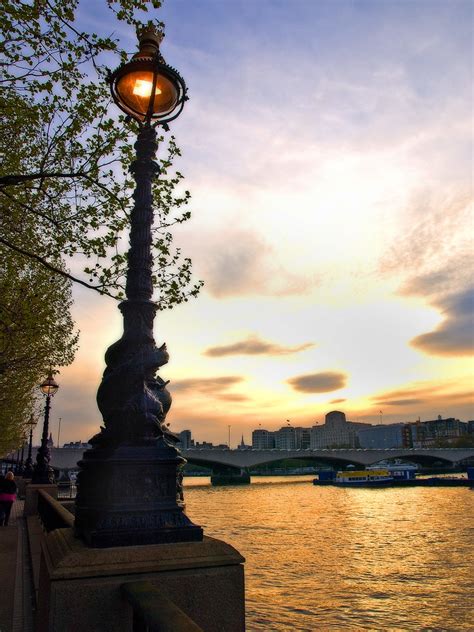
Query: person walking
x=7 y=498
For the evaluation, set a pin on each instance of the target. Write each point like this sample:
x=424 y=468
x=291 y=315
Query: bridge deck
x=67 y=458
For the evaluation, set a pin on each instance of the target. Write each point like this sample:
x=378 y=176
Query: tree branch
x=19 y=178
x=54 y=269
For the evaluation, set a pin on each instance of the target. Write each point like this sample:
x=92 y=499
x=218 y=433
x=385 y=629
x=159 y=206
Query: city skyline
x=327 y=153
x=234 y=442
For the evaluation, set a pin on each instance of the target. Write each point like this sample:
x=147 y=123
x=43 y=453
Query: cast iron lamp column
x=22 y=456
x=42 y=471
x=28 y=472
x=130 y=481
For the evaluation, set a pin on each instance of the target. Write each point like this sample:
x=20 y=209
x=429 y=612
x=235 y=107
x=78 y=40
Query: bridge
x=65 y=459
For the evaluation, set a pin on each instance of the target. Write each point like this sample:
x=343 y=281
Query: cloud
x=455 y=335
x=232 y=397
x=207 y=386
x=435 y=240
x=239 y=262
x=255 y=346
x=432 y=239
x=433 y=394
x=323 y=382
x=338 y=401
x=441 y=281
x=233 y=264
x=400 y=402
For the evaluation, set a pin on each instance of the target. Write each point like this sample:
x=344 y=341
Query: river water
x=322 y=558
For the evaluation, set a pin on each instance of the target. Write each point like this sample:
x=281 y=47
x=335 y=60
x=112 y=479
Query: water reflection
x=321 y=558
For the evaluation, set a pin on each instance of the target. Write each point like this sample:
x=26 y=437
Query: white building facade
x=336 y=432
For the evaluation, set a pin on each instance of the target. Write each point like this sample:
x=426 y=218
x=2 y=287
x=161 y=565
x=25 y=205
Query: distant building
x=185 y=439
x=207 y=445
x=263 y=439
x=242 y=445
x=77 y=445
x=204 y=445
x=426 y=434
x=383 y=436
x=285 y=438
x=302 y=438
x=336 y=432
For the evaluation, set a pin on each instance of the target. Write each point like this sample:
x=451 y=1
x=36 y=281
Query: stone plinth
x=31 y=496
x=128 y=496
x=80 y=586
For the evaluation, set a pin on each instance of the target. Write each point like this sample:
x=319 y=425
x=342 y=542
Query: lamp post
x=42 y=472
x=130 y=481
x=28 y=472
x=22 y=456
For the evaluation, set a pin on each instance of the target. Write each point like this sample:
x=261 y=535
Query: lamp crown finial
x=150 y=36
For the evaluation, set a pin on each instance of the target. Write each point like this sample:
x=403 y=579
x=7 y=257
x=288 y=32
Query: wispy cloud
x=238 y=262
x=400 y=402
x=323 y=382
x=255 y=346
x=423 y=394
x=338 y=401
x=432 y=239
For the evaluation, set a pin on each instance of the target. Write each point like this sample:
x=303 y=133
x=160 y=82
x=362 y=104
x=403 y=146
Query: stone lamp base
x=132 y=495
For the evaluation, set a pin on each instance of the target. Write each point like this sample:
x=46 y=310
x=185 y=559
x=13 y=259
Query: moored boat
x=363 y=478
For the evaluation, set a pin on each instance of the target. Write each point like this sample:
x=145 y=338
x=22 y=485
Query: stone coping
x=67 y=557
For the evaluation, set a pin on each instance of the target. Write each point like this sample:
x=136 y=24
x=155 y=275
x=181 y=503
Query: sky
x=328 y=149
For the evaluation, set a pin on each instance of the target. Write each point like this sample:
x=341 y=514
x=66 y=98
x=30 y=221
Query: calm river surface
x=321 y=558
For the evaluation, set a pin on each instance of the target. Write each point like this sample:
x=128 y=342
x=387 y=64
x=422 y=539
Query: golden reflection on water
x=322 y=558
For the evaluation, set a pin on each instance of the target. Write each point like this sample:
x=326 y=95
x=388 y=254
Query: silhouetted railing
x=153 y=612
x=66 y=490
x=52 y=514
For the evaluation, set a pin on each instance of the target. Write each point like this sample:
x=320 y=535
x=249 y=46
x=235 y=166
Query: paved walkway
x=16 y=594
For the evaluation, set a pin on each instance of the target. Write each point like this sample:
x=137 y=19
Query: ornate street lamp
x=42 y=471
x=146 y=88
x=130 y=481
x=28 y=471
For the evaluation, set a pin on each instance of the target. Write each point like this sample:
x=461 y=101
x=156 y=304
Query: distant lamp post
x=42 y=471
x=28 y=471
x=130 y=481
x=22 y=456
x=59 y=430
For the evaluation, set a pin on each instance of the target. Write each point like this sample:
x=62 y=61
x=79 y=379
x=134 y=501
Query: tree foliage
x=36 y=330
x=66 y=158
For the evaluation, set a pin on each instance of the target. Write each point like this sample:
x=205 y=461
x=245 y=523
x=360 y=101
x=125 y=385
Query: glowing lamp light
x=49 y=386
x=146 y=88
x=143 y=88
